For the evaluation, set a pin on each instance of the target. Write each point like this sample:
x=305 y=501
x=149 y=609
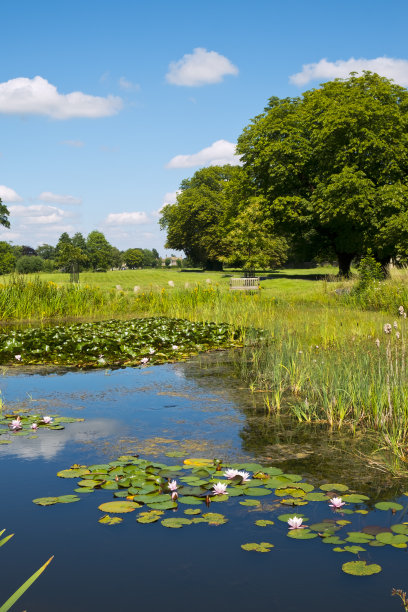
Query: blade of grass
x=12 y=600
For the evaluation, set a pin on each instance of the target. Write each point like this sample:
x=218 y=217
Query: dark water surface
x=197 y=407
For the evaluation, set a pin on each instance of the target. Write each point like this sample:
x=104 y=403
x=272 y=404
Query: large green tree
x=332 y=165
x=195 y=222
x=99 y=250
x=4 y=215
x=7 y=258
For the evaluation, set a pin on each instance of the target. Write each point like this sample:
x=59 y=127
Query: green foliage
x=369 y=270
x=12 y=600
x=29 y=264
x=332 y=165
x=98 y=250
x=194 y=223
x=4 y=214
x=7 y=258
x=360 y=568
x=133 y=258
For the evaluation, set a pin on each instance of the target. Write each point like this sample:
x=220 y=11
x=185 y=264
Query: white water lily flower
x=16 y=424
x=174 y=347
x=18 y=357
x=144 y=360
x=47 y=420
x=295 y=523
x=219 y=489
x=336 y=502
x=172 y=485
x=245 y=475
x=34 y=426
x=230 y=473
x=152 y=351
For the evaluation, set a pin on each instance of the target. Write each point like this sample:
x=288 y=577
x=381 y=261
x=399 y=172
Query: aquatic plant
x=24 y=423
x=13 y=598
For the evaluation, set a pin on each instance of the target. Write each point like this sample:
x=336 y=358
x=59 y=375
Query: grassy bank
x=319 y=359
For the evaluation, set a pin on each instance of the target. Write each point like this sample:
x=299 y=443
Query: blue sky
x=162 y=89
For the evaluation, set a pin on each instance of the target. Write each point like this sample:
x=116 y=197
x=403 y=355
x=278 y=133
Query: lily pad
x=192 y=511
x=334 y=487
x=354 y=498
x=316 y=497
x=301 y=534
x=175 y=523
x=213 y=518
x=398 y=541
x=262 y=547
x=250 y=502
x=45 y=501
x=388 y=506
x=73 y=473
x=110 y=520
x=119 y=507
x=360 y=568
x=264 y=523
x=400 y=529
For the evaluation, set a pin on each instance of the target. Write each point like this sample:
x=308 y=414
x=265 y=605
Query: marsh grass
x=318 y=359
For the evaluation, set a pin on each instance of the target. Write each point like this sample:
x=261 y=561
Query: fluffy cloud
x=201 y=67
x=127 y=218
x=219 y=153
x=9 y=195
x=170 y=197
x=38 y=214
x=389 y=67
x=55 y=198
x=23 y=96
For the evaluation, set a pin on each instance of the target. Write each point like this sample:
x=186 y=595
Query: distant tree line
x=324 y=176
x=91 y=253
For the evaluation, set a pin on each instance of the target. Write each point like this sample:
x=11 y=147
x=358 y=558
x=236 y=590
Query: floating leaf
x=250 y=502
x=398 y=541
x=45 y=501
x=388 y=506
x=67 y=499
x=356 y=537
x=213 y=518
x=263 y=523
x=175 y=523
x=73 y=472
x=191 y=501
x=301 y=534
x=257 y=491
x=400 y=529
x=192 y=511
x=110 y=520
x=119 y=507
x=353 y=498
x=360 y=568
x=333 y=540
x=262 y=547
x=290 y=491
x=316 y=497
x=285 y=517
x=334 y=487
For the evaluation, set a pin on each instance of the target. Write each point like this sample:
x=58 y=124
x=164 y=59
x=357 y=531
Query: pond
x=198 y=409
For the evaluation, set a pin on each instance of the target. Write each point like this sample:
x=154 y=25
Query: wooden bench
x=244 y=284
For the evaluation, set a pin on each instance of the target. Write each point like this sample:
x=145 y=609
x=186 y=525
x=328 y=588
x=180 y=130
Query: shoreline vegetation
x=331 y=351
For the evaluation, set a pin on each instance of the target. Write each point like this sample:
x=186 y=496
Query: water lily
x=16 y=424
x=244 y=475
x=230 y=473
x=173 y=485
x=47 y=420
x=34 y=426
x=219 y=489
x=336 y=502
x=174 y=495
x=152 y=351
x=174 y=347
x=18 y=357
x=144 y=360
x=295 y=523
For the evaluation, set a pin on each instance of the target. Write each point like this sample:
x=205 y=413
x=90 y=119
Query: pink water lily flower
x=336 y=502
x=16 y=424
x=144 y=360
x=18 y=357
x=230 y=473
x=34 y=426
x=244 y=475
x=295 y=523
x=152 y=351
x=174 y=495
x=47 y=420
x=219 y=489
x=174 y=347
x=172 y=485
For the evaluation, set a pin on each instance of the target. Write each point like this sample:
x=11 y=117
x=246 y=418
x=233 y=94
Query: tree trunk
x=345 y=260
x=213 y=265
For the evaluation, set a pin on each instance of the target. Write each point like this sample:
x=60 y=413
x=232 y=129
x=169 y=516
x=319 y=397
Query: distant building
x=173 y=261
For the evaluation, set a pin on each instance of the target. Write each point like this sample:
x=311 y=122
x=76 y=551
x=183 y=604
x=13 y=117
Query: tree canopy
x=332 y=166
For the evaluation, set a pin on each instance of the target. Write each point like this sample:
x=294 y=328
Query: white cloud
x=127 y=218
x=396 y=69
x=9 y=195
x=170 y=197
x=56 y=198
x=221 y=152
x=23 y=96
x=124 y=83
x=73 y=143
x=38 y=214
x=201 y=67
